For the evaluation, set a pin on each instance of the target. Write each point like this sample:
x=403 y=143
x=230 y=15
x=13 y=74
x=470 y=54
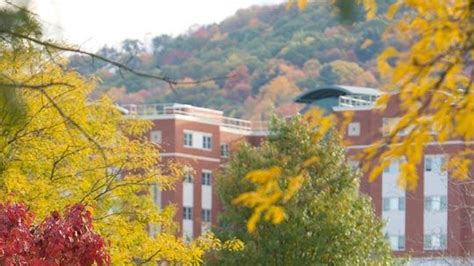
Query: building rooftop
x=339 y=97
x=194 y=113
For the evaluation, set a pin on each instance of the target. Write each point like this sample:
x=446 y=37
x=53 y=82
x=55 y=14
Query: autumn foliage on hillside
x=252 y=55
x=67 y=240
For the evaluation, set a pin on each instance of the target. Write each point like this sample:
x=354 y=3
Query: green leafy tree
x=326 y=222
x=327 y=75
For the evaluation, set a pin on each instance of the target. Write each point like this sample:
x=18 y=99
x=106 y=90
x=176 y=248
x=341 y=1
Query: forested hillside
x=269 y=53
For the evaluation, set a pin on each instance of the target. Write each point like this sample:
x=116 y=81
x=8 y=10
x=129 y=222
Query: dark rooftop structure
x=338 y=97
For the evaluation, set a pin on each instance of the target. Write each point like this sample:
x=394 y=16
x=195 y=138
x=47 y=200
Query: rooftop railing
x=202 y=114
x=357 y=101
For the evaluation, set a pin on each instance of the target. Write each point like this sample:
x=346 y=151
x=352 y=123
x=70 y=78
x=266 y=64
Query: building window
x=206 y=215
x=435 y=164
x=392 y=168
x=206 y=178
x=353 y=129
x=428 y=164
x=207 y=142
x=394 y=203
x=187 y=213
x=435 y=241
x=188 y=139
x=397 y=242
x=436 y=203
x=188 y=176
x=155 y=137
x=225 y=150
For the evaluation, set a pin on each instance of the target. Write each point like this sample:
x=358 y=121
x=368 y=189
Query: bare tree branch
x=122 y=66
x=34 y=86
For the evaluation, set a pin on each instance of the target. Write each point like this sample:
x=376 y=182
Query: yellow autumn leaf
x=392 y=10
x=311 y=161
x=262 y=176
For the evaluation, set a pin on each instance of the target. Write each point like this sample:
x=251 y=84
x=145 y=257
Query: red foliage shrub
x=68 y=240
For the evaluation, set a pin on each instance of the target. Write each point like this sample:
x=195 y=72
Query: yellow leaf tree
x=59 y=146
x=432 y=80
x=65 y=148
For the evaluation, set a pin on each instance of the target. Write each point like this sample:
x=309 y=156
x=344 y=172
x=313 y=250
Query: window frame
x=428 y=164
x=207 y=142
x=156 y=133
x=429 y=200
x=188 y=177
x=387 y=204
x=187 y=213
x=400 y=242
x=188 y=139
x=225 y=150
x=356 y=127
x=206 y=215
x=206 y=177
x=428 y=240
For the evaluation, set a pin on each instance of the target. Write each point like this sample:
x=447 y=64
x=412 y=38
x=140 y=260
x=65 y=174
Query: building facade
x=433 y=224
x=199 y=139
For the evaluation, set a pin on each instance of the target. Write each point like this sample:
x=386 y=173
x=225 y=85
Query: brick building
x=433 y=224
x=200 y=139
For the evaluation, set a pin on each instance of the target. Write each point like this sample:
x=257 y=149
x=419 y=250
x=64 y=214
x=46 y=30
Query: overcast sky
x=93 y=23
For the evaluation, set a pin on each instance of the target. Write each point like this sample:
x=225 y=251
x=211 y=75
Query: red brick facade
x=173 y=121
x=455 y=240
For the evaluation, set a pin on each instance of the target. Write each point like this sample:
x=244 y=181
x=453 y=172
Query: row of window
x=430 y=242
x=203 y=141
x=353 y=129
x=388 y=126
x=192 y=141
x=206 y=177
x=432 y=203
x=205 y=214
x=433 y=163
x=206 y=144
